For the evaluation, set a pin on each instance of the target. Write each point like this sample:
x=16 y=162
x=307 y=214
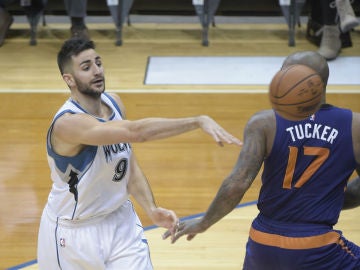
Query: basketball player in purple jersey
x=307 y=165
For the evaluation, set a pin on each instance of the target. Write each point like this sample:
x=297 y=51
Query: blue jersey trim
x=114 y=103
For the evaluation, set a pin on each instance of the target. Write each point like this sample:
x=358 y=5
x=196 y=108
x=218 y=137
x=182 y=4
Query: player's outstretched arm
x=206 y=123
x=86 y=130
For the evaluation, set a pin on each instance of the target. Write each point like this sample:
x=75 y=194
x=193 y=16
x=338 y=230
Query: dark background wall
x=168 y=7
x=177 y=7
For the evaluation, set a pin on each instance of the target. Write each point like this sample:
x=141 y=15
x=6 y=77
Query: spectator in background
x=347 y=16
x=5 y=19
x=33 y=10
x=75 y=9
x=336 y=18
x=77 y=13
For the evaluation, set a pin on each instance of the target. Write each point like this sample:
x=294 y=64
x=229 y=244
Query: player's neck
x=92 y=105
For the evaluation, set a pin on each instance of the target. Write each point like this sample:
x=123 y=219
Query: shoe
x=330 y=45
x=347 y=16
x=80 y=32
x=5 y=22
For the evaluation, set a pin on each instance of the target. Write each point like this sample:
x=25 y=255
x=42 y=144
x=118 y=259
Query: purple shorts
x=328 y=251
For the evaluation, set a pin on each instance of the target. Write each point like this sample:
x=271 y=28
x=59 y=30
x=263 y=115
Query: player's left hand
x=189 y=227
x=165 y=218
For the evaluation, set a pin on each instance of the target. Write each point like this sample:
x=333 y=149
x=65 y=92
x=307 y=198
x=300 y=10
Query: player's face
x=88 y=73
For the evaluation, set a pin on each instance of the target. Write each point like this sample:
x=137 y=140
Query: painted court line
x=235 y=70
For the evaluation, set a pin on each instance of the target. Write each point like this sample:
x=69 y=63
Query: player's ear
x=69 y=80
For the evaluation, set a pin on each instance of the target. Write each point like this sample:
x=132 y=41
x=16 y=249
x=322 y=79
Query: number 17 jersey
x=308 y=168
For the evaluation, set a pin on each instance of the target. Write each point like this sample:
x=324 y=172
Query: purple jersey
x=306 y=172
x=302 y=194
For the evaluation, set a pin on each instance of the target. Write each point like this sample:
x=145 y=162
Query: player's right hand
x=219 y=134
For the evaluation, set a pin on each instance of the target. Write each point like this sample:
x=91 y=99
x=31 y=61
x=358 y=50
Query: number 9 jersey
x=80 y=182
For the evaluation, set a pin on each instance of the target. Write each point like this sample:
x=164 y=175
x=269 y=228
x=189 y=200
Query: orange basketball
x=295 y=92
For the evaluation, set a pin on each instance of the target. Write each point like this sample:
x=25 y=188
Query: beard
x=89 y=90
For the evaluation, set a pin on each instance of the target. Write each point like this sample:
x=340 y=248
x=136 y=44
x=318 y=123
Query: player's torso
x=92 y=183
x=305 y=175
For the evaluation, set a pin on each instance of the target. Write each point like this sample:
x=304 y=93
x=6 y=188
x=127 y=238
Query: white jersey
x=92 y=183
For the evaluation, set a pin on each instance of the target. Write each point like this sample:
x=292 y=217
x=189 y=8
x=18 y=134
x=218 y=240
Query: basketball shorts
x=112 y=242
x=328 y=251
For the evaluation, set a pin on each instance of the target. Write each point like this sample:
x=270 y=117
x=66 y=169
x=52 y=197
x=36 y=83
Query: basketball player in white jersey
x=88 y=221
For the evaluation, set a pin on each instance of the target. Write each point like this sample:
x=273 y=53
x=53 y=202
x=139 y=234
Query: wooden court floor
x=185 y=172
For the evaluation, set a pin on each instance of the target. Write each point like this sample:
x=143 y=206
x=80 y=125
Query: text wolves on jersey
x=109 y=150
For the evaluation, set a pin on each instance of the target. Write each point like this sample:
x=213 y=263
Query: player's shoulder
x=263 y=116
x=115 y=97
x=261 y=121
x=118 y=101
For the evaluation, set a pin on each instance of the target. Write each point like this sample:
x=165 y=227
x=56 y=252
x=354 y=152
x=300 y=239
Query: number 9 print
x=120 y=170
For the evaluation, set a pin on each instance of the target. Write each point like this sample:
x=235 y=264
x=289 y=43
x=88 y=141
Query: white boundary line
x=170 y=91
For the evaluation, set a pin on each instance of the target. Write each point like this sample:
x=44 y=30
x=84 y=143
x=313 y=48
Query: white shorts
x=113 y=242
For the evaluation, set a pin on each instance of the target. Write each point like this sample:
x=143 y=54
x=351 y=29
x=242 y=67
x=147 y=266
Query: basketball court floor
x=161 y=70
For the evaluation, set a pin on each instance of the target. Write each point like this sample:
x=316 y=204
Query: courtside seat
x=146 y=7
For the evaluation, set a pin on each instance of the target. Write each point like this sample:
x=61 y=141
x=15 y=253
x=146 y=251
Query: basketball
x=295 y=92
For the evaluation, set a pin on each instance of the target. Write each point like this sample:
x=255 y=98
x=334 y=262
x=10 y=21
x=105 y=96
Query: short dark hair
x=72 y=47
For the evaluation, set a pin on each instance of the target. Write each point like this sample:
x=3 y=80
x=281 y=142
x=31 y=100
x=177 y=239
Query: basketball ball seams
x=296 y=92
x=281 y=78
x=294 y=86
x=297 y=103
x=302 y=111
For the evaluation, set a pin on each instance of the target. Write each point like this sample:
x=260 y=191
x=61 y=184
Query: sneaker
x=5 y=22
x=330 y=45
x=347 y=16
x=80 y=32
